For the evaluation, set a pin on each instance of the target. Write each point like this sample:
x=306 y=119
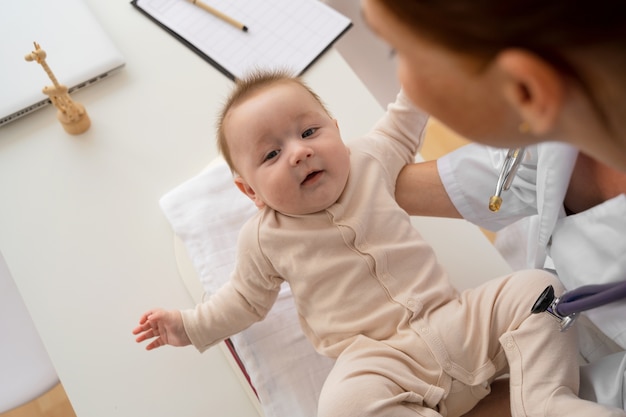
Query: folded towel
x=206 y=212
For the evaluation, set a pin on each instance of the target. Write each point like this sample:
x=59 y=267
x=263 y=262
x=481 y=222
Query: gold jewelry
x=524 y=127
x=509 y=168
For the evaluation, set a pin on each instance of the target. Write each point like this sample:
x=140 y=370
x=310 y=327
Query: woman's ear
x=245 y=188
x=533 y=87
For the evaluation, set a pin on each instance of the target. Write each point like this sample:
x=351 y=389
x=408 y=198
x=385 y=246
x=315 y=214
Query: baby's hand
x=166 y=326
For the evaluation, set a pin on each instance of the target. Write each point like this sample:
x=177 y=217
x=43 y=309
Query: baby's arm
x=164 y=325
x=400 y=131
x=243 y=300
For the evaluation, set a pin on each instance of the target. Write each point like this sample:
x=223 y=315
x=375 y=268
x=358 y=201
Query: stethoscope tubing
x=590 y=296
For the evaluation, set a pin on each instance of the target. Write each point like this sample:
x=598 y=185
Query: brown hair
x=244 y=88
x=485 y=27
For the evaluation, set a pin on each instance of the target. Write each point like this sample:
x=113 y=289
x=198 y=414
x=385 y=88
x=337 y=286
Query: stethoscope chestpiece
x=544 y=301
x=548 y=302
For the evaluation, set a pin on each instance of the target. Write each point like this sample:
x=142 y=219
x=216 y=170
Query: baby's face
x=287 y=150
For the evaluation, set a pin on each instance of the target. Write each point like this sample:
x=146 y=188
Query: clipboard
x=282 y=34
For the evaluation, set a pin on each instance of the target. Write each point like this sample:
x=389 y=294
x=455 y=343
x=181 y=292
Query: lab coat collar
x=554 y=169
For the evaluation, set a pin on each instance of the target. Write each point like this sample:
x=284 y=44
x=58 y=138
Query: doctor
x=549 y=76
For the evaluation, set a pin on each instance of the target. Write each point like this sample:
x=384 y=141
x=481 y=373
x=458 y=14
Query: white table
x=89 y=248
x=85 y=239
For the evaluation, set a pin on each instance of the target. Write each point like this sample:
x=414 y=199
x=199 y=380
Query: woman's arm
x=420 y=192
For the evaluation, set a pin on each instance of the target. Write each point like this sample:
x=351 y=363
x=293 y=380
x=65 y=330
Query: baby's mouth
x=311 y=177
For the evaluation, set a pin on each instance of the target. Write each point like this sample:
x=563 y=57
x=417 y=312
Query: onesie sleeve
x=241 y=302
x=398 y=135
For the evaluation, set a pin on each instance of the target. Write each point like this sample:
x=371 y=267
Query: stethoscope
x=509 y=168
x=566 y=307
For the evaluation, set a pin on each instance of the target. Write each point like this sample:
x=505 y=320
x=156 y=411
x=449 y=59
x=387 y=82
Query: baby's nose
x=300 y=153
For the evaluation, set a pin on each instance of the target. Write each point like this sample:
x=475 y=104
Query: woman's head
x=485 y=67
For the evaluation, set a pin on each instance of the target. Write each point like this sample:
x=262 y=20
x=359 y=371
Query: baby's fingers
x=145 y=336
x=144 y=318
x=145 y=329
x=158 y=342
x=143 y=326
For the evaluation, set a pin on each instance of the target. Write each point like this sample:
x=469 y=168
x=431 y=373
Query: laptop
x=79 y=52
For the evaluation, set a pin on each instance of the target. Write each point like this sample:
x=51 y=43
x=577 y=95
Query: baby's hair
x=246 y=87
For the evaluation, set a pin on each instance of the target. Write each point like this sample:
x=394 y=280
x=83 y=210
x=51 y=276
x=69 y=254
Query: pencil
x=220 y=15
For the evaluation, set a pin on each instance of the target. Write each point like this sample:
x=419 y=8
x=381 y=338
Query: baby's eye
x=271 y=155
x=308 y=132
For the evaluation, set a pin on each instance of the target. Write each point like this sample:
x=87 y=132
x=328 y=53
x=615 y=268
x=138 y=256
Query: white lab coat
x=586 y=248
x=534 y=232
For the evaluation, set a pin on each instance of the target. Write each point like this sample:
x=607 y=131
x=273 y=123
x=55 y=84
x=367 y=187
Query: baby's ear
x=245 y=188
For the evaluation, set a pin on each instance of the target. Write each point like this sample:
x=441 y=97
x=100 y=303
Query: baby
x=368 y=289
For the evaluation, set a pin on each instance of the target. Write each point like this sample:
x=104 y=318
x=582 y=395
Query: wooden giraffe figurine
x=71 y=114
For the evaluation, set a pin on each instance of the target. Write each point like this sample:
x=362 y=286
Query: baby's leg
x=543 y=364
x=493 y=322
x=370 y=379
